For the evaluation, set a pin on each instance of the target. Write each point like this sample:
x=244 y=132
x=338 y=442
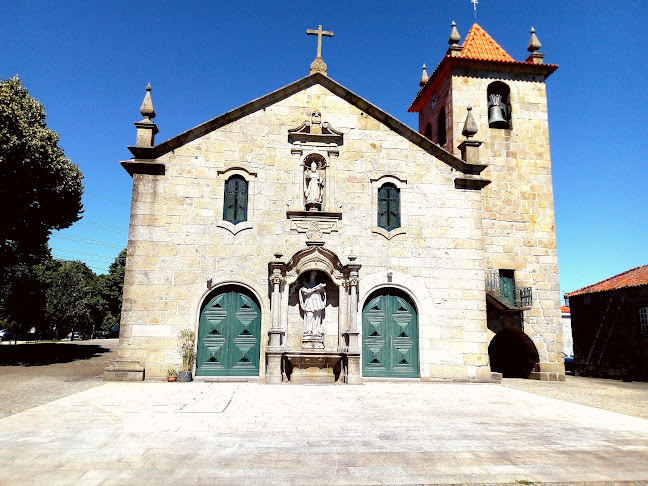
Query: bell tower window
x=499 y=105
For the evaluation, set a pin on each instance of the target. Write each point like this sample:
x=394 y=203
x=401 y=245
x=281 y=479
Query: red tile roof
x=634 y=277
x=565 y=309
x=481 y=46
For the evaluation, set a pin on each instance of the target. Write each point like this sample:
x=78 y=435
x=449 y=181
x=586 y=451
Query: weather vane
x=474 y=2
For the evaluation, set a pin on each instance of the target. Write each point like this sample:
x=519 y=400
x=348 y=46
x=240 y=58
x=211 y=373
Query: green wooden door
x=389 y=337
x=229 y=336
x=507 y=286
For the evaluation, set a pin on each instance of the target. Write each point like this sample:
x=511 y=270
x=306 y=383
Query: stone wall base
x=124 y=369
x=547 y=376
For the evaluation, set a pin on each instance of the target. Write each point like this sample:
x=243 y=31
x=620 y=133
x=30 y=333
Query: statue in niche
x=312 y=300
x=313 y=188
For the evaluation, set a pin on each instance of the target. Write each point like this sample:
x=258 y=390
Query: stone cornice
x=300 y=85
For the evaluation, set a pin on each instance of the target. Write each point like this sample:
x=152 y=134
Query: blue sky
x=88 y=62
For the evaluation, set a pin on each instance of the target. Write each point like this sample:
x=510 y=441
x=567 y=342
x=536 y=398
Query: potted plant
x=172 y=374
x=187 y=342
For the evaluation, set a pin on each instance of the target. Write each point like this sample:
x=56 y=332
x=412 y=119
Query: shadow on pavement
x=47 y=353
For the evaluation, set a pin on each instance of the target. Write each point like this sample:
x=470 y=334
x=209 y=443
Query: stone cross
x=319 y=33
x=318 y=65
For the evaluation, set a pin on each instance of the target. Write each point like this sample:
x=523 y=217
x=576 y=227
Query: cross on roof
x=475 y=2
x=319 y=33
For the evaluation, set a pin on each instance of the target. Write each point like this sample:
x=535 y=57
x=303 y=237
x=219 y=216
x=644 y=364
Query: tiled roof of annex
x=481 y=46
x=634 y=277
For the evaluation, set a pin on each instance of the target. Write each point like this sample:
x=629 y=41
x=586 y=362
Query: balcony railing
x=514 y=298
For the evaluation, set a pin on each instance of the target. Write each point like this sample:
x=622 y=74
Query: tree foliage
x=41 y=187
x=40 y=192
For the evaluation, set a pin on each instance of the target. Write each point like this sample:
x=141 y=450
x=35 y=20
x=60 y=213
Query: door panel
x=390 y=337
x=229 y=336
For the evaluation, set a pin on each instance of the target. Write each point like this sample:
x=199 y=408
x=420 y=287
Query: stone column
x=353 y=351
x=343 y=316
x=275 y=344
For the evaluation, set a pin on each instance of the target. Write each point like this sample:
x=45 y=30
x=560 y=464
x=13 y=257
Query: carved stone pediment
x=316 y=132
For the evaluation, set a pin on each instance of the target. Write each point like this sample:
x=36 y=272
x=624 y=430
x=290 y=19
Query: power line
x=97 y=268
x=97 y=227
x=81 y=253
x=89 y=241
x=89 y=260
x=101 y=224
x=105 y=198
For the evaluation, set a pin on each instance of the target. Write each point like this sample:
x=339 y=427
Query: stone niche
x=313 y=337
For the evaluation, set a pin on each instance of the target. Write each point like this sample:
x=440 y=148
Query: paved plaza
x=377 y=433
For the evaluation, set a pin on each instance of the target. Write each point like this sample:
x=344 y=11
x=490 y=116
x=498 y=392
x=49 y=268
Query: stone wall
x=518 y=212
x=178 y=241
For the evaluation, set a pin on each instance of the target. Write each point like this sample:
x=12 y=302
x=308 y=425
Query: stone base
x=546 y=376
x=313 y=367
x=124 y=369
x=313 y=341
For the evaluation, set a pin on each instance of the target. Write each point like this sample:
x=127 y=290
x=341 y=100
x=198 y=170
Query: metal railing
x=523 y=297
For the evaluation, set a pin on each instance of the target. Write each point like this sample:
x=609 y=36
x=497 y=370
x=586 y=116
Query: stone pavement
x=377 y=433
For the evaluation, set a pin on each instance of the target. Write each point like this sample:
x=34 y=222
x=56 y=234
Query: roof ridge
x=577 y=291
x=480 y=45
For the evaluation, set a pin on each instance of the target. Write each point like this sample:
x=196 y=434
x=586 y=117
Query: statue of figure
x=313 y=191
x=312 y=299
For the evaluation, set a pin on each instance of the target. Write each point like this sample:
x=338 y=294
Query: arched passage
x=513 y=354
x=389 y=335
x=229 y=333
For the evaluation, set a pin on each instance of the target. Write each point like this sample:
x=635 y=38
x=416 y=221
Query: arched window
x=389 y=207
x=428 y=131
x=643 y=321
x=499 y=105
x=441 y=127
x=236 y=198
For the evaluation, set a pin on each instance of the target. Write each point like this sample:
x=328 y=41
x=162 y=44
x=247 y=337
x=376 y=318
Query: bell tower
x=508 y=102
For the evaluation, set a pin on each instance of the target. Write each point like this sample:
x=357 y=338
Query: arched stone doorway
x=229 y=334
x=390 y=335
x=513 y=354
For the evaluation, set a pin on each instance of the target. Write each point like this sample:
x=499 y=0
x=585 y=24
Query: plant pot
x=184 y=376
x=171 y=378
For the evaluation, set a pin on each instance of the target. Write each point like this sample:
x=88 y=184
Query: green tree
x=74 y=301
x=113 y=287
x=40 y=192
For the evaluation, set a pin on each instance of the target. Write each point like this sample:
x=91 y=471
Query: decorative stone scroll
x=314 y=134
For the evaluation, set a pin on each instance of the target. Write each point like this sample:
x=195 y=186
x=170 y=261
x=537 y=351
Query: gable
x=142 y=154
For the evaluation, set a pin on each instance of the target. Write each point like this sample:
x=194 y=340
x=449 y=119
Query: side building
x=610 y=326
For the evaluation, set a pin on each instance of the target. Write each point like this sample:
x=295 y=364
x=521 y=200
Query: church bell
x=497 y=112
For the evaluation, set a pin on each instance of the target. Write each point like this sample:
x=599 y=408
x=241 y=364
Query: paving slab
x=377 y=433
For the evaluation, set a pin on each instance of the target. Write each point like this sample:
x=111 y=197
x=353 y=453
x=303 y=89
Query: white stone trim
x=421 y=298
x=376 y=184
x=389 y=234
x=236 y=228
x=250 y=178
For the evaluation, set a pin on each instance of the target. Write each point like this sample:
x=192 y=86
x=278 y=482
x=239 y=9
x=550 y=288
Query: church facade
x=308 y=236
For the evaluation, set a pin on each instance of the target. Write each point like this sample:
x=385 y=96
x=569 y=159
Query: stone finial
x=424 y=77
x=534 y=46
x=146 y=109
x=146 y=129
x=470 y=148
x=455 y=49
x=534 y=43
x=470 y=127
x=454 y=35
